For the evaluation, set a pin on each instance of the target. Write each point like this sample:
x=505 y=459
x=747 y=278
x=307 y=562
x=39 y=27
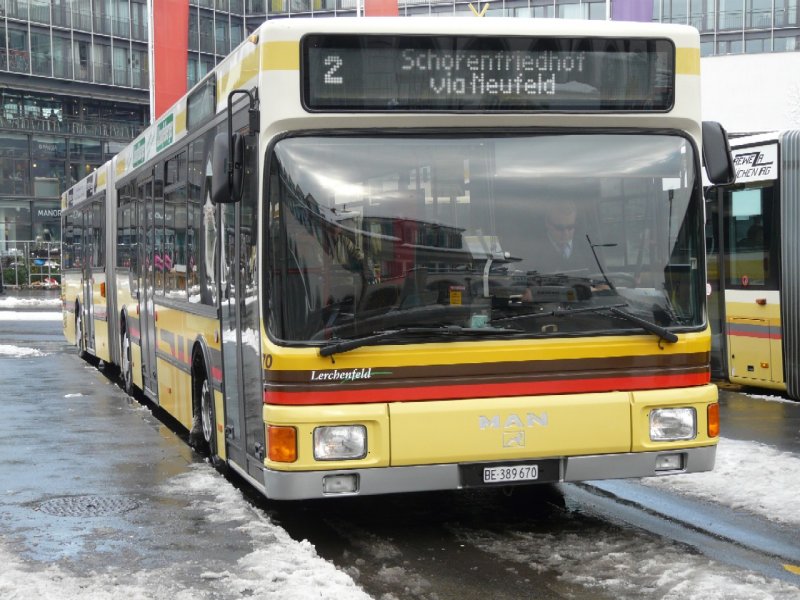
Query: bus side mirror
x=227 y=180
x=717 y=154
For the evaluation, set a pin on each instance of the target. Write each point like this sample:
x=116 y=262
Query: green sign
x=164 y=133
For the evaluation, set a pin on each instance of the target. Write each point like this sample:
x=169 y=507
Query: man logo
x=513 y=426
x=513 y=421
x=513 y=439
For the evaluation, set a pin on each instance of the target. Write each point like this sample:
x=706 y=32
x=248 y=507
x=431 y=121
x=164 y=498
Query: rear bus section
x=87 y=255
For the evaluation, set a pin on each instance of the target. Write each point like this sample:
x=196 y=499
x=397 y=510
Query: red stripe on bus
x=451 y=392
x=752 y=334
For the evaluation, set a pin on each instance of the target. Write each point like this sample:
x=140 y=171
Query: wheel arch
x=200 y=367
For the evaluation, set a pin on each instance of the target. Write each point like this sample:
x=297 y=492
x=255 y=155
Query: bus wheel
x=79 y=340
x=204 y=436
x=126 y=369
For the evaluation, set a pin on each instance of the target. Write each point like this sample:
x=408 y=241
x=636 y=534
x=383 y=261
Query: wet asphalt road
x=87 y=476
x=85 y=470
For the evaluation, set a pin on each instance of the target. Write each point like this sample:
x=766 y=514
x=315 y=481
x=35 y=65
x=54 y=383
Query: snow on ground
x=13 y=315
x=9 y=351
x=747 y=476
x=641 y=566
x=14 y=308
x=624 y=565
x=7 y=301
x=770 y=398
x=628 y=566
x=278 y=568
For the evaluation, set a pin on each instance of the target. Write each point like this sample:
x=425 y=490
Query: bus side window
x=194 y=218
x=752 y=249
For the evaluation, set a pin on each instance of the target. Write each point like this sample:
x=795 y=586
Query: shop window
x=15 y=220
x=14 y=176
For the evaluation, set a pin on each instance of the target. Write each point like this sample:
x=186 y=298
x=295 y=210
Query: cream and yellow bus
x=334 y=260
x=754 y=265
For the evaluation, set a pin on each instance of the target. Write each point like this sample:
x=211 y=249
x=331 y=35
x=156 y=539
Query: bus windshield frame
x=369 y=233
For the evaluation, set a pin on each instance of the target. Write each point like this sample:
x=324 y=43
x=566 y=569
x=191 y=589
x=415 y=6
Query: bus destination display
x=446 y=73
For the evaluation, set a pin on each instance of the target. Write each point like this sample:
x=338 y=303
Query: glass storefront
x=48 y=166
x=38 y=220
x=15 y=220
x=46 y=221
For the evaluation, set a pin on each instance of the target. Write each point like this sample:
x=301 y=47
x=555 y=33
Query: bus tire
x=126 y=363
x=203 y=436
x=80 y=341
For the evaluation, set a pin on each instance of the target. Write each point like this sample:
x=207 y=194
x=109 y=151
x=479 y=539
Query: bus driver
x=559 y=250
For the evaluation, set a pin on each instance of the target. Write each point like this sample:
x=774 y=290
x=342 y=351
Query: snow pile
x=7 y=302
x=12 y=315
x=748 y=476
x=631 y=565
x=7 y=350
x=278 y=568
x=13 y=308
x=770 y=398
x=628 y=566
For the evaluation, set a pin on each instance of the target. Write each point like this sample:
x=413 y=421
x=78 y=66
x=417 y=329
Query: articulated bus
x=328 y=261
x=753 y=239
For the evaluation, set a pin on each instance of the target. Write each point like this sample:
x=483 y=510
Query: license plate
x=510 y=473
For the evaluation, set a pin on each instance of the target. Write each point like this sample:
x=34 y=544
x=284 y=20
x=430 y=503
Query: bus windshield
x=518 y=235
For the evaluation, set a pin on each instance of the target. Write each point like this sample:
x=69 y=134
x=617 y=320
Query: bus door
x=147 y=287
x=87 y=309
x=241 y=346
x=752 y=296
x=715 y=265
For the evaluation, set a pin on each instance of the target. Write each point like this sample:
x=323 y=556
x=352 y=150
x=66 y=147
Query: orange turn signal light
x=103 y=289
x=713 y=420
x=282 y=443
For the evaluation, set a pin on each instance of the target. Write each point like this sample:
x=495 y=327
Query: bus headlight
x=671 y=424
x=340 y=442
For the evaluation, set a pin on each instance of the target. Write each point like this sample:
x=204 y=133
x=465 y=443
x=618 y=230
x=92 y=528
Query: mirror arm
x=254 y=120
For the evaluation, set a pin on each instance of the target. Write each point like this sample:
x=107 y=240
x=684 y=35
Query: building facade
x=73 y=92
x=74 y=74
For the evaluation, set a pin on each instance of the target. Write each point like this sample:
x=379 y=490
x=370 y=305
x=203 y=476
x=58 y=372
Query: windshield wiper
x=558 y=312
x=614 y=309
x=653 y=328
x=446 y=330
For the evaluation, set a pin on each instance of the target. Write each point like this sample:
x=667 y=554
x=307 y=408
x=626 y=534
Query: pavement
x=759 y=415
x=100 y=499
x=88 y=473
x=94 y=481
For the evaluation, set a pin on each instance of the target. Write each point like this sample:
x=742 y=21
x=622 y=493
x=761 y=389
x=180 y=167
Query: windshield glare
x=490 y=232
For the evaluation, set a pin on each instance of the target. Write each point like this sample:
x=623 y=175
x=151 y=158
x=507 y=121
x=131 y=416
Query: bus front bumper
x=298 y=485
